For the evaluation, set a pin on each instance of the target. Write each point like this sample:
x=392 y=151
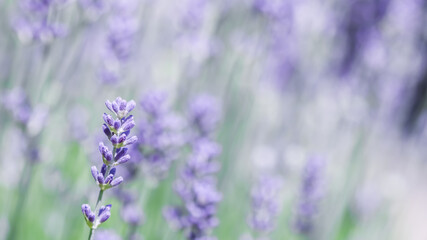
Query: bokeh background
x=295 y=80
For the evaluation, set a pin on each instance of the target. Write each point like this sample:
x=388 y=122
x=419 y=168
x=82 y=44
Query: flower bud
x=116 y=181
x=94 y=172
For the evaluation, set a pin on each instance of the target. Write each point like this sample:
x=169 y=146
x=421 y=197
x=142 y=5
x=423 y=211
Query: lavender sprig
x=265 y=205
x=31 y=120
x=35 y=21
x=122 y=28
x=311 y=192
x=197 y=185
x=117 y=130
x=159 y=136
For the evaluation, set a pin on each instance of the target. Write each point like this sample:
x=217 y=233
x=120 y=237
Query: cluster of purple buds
x=117 y=130
x=204 y=114
x=93 y=9
x=105 y=182
x=35 y=23
x=310 y=195
x=16 y=102
x=361 y=19
x=122 y=28
x=90 y=217
x=197 y=184
x=160 y=136
x=265 y=204
x=32 y=119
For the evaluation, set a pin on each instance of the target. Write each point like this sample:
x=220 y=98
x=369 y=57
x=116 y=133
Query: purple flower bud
x=102 y=148
x=91 y=217
x=122 y=105
x=108 y=119
x=128 y=125
x=121 y=153
x=109 y=178
x=106 y=130
x=123 y=159
x=113 y=171
x=116 y=181
x=115 y=107
x=130 y=105
x=101 y=210
x=86 y=209
x=103 y=169
x=122 y=138
x=109 y=156
x=105 y=216
x=100 y=178
x=117 y=124
x=114 y=140
x=94 y=172
x=109 y=106
x=131 y=140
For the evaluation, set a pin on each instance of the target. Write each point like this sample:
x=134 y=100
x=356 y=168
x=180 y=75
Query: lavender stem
x=90 y=234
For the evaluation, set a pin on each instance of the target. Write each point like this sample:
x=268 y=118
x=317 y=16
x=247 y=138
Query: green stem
x=100 y=194
x=24 y=184
x=90 y=234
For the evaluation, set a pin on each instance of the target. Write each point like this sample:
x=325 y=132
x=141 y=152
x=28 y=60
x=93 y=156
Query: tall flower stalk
x=31 y=121
x=197 y=183
x=159 y=141
x=310 y=195
x=117 y=130
x=264 y=205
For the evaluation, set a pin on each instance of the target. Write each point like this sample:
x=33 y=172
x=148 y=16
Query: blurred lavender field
x=255 y=119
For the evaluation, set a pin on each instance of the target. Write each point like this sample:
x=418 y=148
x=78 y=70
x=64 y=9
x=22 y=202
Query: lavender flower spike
x=311 y=192
x=196 y=185
x=117 y=132
x=265 y=204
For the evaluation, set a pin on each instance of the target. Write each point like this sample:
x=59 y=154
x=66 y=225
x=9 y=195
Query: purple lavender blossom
x=122 y=28
x=311 y=192
x=31 y=119
x=118 y=132
x=35 y=23
x=16 y=102
x=265 y=204
x=204 y=114
x=160 y=136
x=197 y=185
x=107 y=235
x=361 y=19
x=93 y=9
x=132 y=214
